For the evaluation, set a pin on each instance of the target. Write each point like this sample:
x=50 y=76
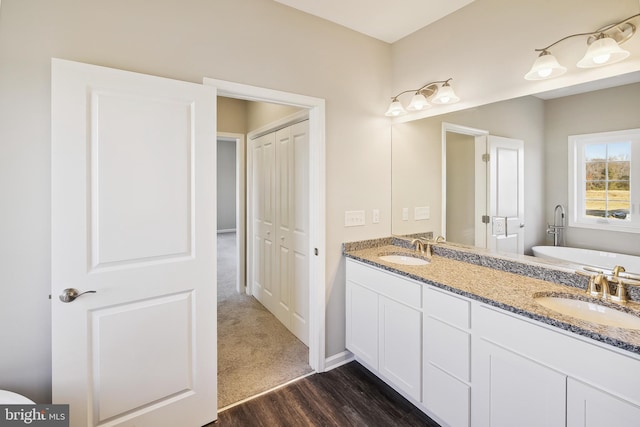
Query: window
x=604 y=180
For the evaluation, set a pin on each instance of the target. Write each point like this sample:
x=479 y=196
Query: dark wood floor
x=346 y=396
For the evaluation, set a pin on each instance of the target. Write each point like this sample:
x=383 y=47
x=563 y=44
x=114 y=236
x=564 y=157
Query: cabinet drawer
x=390 y=285
x=447 y=347
x=446 y=397
x=448 y=308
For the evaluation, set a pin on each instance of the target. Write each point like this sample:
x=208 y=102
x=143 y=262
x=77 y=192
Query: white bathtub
x=606 y=260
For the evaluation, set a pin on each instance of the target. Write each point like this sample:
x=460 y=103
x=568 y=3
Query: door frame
x=317 y=199
x=238 y=138
x=480 y=136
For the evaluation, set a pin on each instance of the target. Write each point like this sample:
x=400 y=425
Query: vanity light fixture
x=420 y=99
x=604 y=48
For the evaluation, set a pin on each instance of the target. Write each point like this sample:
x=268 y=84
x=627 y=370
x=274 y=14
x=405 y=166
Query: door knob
x=70 y=294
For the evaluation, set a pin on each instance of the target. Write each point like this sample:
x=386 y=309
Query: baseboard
x=229 y=230
x=338 y=360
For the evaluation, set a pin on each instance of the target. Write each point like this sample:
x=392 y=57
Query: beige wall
x=461 y=179
x=232 y=115
x=600 y=111
x=262 y=113
x=488 y=46
x=256 y=42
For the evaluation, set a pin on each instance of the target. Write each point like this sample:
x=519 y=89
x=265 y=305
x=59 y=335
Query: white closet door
x=300 y=231
x=281 y=225
x=283 y=276
x=263 y=220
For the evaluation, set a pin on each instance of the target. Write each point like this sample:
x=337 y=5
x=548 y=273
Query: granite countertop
x=506 y=290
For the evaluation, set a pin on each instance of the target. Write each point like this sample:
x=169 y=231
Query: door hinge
x=486 y=157
x=315 y=251
x=485 y=219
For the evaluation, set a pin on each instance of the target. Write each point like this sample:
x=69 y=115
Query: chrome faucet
x=557 y=229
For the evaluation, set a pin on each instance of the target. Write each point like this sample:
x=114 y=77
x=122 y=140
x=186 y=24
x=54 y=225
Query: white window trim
x=576 y=216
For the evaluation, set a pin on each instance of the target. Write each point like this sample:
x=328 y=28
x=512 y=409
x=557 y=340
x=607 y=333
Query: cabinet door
x=362 y=323
x=590 y=407
x=401 y=346
x=511 y=390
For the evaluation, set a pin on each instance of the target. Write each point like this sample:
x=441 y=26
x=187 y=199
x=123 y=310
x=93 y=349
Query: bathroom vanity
x=464 y=339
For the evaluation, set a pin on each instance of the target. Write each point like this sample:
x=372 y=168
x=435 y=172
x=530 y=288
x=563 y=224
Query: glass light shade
x=395 y=109
x=602 y=51
x=418 y=102
x=545 y=67
x=445 y=95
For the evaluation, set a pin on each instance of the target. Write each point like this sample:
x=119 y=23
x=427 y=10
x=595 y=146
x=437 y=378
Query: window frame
x=577 y=178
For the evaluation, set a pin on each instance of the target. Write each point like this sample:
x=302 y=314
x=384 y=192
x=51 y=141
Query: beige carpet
x=255 y=351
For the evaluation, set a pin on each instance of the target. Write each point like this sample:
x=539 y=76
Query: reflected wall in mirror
x=544 y=123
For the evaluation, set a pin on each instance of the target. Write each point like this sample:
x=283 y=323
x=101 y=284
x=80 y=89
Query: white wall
x=256 y=42
x=600 y=111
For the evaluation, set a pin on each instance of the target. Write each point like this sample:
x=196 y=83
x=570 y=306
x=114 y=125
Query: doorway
x=316 y=190
x=231 y=201
x=497 y=180
x=464 y=184
x=316 y=202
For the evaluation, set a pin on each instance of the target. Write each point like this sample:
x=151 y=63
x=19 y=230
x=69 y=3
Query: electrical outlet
x=405 y=214
x=353 y=218
x=421 y=213
x=375 y=217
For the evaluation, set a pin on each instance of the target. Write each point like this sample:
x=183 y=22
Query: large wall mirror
x=437 y=190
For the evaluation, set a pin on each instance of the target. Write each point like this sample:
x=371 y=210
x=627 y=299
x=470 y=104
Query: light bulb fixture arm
x=423 y=88
x=598 y=32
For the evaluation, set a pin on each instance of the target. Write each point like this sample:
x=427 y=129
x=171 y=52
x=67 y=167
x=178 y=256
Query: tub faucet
x=558 y=226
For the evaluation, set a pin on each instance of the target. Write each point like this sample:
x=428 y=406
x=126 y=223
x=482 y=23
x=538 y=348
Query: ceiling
x=386 y=20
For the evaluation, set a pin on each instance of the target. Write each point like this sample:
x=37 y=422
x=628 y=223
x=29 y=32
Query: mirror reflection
x=440 y=183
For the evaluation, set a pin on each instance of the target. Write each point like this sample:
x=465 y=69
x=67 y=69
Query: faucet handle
x=621 y=292
x=592 y=288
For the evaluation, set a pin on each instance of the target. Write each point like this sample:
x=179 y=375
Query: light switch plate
x=353 y=218
x=421 y=213
x=405 y=214
x=375 y=216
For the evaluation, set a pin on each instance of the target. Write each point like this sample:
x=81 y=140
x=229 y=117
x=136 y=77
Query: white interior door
x=506 y=194
x=262 y=208
x=293 y=228
x=300 y=232
x=134 y=219
x=280 y=209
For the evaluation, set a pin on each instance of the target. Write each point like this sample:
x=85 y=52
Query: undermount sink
x=590 y=311
x=403 y=259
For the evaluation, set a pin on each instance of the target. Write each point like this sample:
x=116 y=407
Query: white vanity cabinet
x=528 y=374
x=591 y=407
x=467 y=363
x=384 y=325
x=447 y=356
